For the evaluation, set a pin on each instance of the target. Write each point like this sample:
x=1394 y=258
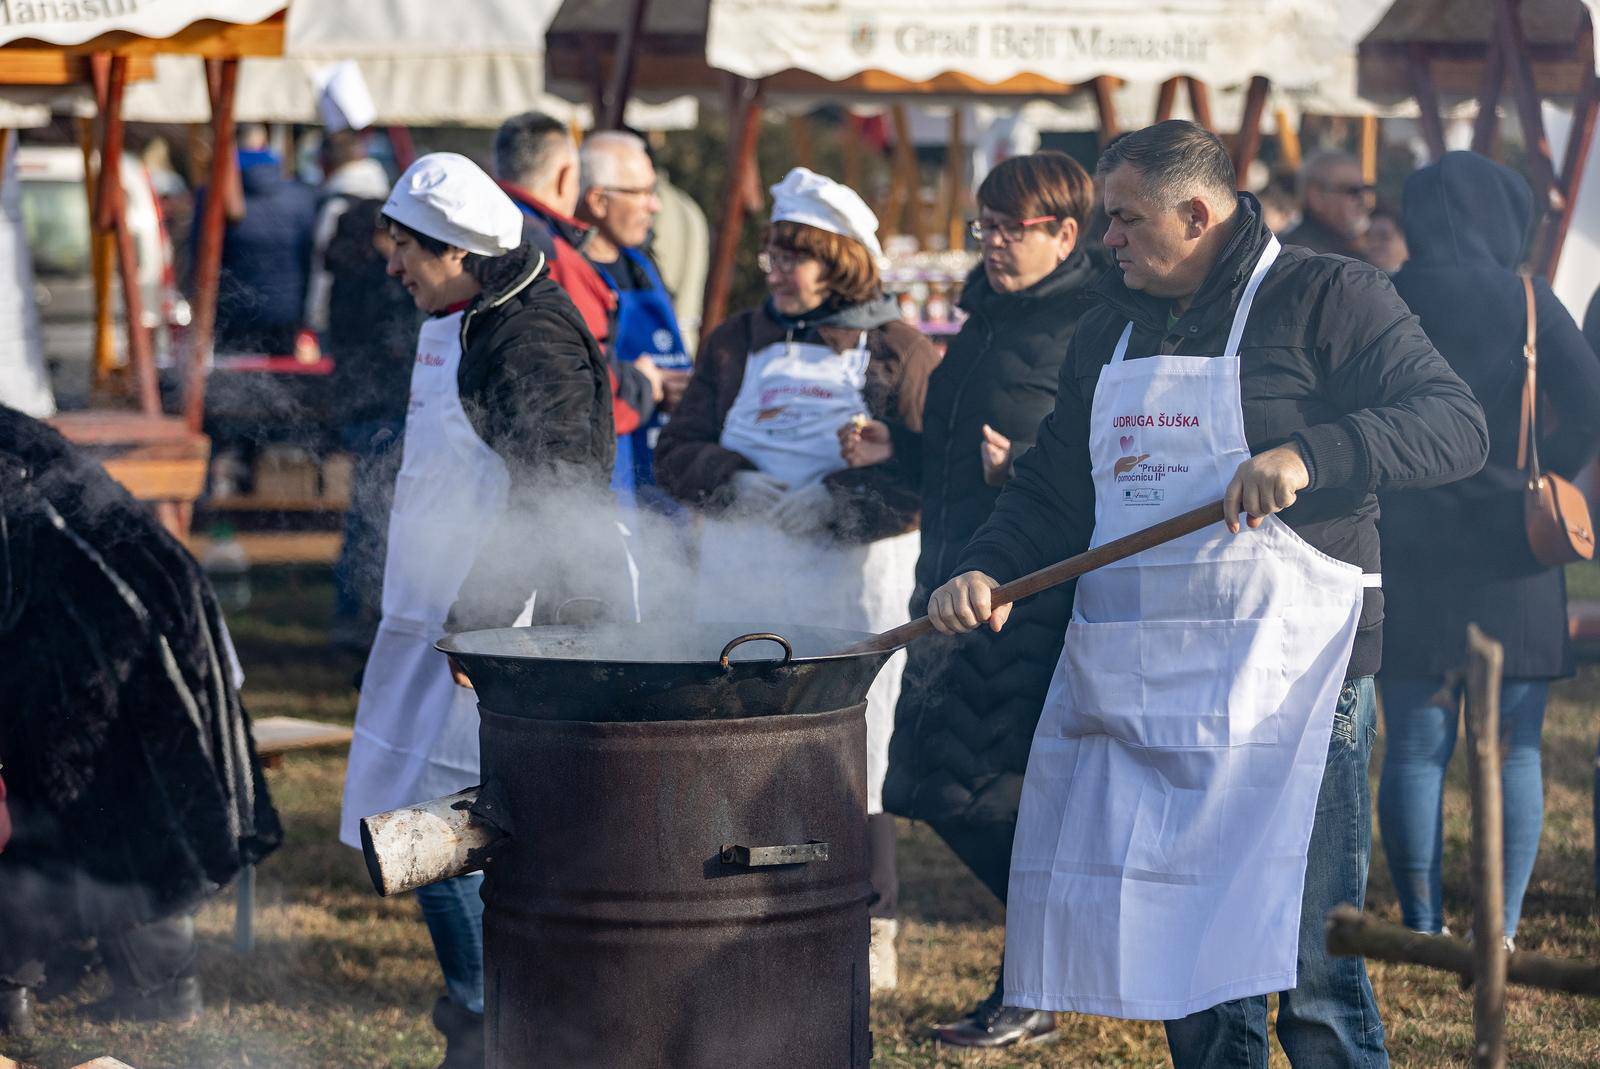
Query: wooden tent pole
x=850 y=143
x=1369 y=149
x=800 y=132
x=1515 y=48
x=224 y=75
x=111 y=215
x=1573 y=165
x=1420 y=69
x=1166 y=98
x=903 y=184
x=1487 y=124
x=744 y=128
x=405 y=149
x=955 y=173
x=101 y=256
x=1200 y=102
x=622 y=67
x=1248 y=143
x=1105 y=103
x=1288 y=139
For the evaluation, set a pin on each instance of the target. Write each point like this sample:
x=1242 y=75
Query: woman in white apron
x=482 y=440
x=791 y=535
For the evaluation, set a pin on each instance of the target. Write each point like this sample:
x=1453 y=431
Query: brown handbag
x=1555 y=513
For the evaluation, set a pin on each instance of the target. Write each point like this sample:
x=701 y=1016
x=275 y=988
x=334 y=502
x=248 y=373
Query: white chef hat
x=448 y=197
x=816 y=200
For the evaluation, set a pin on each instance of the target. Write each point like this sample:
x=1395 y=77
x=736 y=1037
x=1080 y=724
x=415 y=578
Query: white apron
x=1161 y=842
x=416 y=734
x=785 y=421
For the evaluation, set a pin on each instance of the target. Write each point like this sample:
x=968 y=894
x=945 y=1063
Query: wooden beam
x=111 y=213
x=1248 y=143
x=1369 y=149
x=850 y=144
x=955 y=173
x=743 y=131
x=903 y=175
x=1513 y=45
x=1420 y=69
x=1485 y=658
x=1200 y=102
x=1166 y=99
x=101 y=253
x=594 y=78
x=1487 y=124
x=622 y=68
x=1574 y=164
x=800 y=134
x=55 y=67
x=224 y=77
x=1288 y=139
x=1105 y=103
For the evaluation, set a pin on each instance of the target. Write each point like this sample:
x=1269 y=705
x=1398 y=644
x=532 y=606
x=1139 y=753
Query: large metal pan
x=664 y=671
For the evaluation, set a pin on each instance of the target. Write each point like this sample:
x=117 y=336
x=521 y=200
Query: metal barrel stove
x=672 y=829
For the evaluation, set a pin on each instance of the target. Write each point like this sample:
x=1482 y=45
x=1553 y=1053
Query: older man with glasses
x=1337 y=202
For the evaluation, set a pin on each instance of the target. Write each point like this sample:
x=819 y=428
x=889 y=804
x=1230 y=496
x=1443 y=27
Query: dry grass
x=343 y=978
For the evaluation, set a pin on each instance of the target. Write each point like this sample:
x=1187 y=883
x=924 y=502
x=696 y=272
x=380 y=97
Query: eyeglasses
x=1359 y=189
x=638 y=191
x=1009 y=232
x=781 y=260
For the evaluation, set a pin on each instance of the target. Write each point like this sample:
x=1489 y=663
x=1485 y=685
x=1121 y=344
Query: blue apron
x=647 y=325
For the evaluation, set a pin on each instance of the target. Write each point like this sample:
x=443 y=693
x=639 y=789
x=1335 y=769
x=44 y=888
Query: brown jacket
x=871 y=502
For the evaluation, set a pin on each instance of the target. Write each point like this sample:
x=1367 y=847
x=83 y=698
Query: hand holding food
x=865 y=441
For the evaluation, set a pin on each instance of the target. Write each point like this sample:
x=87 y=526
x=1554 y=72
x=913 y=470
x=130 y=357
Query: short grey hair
x=1175 y=159
x=528 y=148
x=600 y=157
x=1319 y=166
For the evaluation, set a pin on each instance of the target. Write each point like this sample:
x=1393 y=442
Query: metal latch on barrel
x=763 y=856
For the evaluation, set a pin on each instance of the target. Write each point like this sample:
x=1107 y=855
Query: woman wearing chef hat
x=509 y=397
x=754 y=444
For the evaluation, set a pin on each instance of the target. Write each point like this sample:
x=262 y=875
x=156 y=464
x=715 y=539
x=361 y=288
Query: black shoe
x=16 y=1011
x=994 y=1024
x=178 y=1001
x=463 y=1035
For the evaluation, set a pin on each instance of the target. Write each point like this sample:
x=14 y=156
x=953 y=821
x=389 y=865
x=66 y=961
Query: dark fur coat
x=133 y=780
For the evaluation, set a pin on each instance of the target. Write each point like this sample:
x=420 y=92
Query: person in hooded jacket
x=510 y=406
x=960 y=742
x=754 y=447
x=1458 y=554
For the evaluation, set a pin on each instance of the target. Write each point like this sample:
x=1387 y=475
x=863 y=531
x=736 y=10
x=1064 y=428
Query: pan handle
x=758 y=636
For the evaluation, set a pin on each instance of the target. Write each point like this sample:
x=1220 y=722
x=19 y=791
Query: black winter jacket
x=1458 y=554
x=534 y=385
x=969 y=705
x=1331 y=359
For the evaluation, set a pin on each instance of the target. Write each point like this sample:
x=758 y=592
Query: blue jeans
x=1330 y=1020
x=453 y=910
x=1419 y=721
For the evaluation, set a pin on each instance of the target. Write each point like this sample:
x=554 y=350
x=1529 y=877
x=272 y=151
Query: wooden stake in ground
x=1484 y=660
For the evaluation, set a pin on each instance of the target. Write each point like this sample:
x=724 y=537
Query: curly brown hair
x=848 y=269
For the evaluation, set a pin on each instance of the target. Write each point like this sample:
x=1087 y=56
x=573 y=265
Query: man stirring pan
x=1196 y=799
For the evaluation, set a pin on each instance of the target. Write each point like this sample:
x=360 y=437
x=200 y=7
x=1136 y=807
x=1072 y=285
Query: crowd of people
x=1161 y=772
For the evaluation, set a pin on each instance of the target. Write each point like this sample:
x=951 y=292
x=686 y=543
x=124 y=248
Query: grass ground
x=342 y=978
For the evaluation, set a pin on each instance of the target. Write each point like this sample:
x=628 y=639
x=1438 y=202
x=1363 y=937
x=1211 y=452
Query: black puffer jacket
x=535 y=387
x=1459 y=554
x=968 y=706
x=1331 y=359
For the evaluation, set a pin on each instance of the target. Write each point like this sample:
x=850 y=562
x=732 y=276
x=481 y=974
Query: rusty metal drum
x=687 y=893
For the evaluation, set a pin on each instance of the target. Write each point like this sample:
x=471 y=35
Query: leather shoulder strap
x=1528 y=438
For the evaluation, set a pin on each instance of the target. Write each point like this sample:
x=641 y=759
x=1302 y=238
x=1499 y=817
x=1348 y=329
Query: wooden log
x=744 y=127
x=1484 y=660
x=421 y=844
x=1058 y=573
x=1355 y=934
x=223 y=76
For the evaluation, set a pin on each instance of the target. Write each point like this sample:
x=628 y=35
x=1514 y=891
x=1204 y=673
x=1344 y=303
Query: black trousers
x=983 y=848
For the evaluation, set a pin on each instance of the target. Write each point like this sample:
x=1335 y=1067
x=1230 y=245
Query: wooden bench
x=276 y=736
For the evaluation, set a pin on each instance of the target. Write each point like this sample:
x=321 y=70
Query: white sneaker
x=883 y=967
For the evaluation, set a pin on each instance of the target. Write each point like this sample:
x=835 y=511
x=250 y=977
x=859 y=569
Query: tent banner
x=1223 y=42
x=357 y=29
x=72 y=22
